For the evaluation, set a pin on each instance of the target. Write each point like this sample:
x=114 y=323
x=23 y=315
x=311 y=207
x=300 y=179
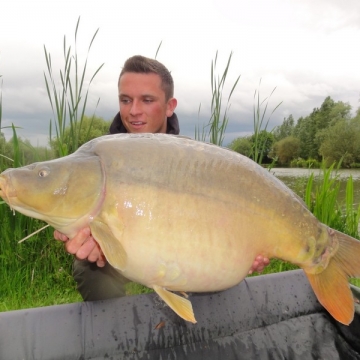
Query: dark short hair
x=143 y=65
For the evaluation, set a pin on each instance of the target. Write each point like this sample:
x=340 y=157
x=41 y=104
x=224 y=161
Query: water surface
x=296 y=180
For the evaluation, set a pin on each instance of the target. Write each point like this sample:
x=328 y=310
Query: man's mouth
x=138 y=125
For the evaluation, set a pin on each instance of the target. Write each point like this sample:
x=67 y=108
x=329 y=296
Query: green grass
x=136 y=289
x=36 y=272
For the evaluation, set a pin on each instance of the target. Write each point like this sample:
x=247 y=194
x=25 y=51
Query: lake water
x=296 y=180
x=344 y=174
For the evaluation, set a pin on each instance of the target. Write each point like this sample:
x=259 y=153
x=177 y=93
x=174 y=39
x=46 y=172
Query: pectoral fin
x=180 y=305
x=110 y=245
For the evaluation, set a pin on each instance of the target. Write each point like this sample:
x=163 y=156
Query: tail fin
x=331 y=286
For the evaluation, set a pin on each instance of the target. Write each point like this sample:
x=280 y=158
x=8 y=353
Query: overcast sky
x=306 y=49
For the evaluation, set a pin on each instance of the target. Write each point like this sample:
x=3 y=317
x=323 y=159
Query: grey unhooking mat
x=266 y=317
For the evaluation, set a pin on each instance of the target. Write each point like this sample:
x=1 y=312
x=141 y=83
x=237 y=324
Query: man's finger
x=95 y=254
x=59 y=236
x=73 y=245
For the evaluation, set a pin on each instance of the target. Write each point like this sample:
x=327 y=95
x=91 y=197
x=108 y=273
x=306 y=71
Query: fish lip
x=2 y=186
x=6 y=191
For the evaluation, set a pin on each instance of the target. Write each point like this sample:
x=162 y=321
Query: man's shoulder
x=172 y=126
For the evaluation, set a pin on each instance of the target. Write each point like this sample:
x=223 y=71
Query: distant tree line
x=328 y=134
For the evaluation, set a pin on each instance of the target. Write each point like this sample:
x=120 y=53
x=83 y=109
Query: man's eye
x=148 y=100
x=125 y=101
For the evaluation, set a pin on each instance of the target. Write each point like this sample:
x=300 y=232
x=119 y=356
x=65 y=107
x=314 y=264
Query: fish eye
x=44 y=172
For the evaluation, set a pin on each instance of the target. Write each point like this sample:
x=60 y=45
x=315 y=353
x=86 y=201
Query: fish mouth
x=5 y=191
x=2 y=187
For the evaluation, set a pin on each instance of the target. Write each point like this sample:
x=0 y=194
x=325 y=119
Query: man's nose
x=135 y=107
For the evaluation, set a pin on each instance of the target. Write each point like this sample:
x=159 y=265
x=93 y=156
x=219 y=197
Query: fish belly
x=183 y=242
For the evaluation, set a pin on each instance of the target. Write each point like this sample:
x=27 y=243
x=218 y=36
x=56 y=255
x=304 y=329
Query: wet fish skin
x=179 y=215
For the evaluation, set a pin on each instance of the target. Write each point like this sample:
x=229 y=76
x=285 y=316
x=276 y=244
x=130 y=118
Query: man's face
x=143 y=107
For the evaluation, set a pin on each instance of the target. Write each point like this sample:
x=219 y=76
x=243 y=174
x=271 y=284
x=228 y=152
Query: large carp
x=175 y=214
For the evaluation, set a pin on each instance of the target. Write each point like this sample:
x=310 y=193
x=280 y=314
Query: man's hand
x=83 y=246
x=259 y=264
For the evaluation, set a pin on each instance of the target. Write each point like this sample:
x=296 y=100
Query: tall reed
x=214 y=131
x=352 y=217
x=323 y=200
x=5 y=161
x=260 y=124
x=69 y=103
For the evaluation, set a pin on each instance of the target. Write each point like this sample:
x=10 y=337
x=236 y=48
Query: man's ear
x=170 y=106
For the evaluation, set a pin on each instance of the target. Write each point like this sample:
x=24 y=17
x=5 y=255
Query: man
x=147 y=104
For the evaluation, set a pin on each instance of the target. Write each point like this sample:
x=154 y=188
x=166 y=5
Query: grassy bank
x=36 y=272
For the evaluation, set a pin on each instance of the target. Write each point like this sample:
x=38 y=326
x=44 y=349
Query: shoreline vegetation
x=37 y=272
